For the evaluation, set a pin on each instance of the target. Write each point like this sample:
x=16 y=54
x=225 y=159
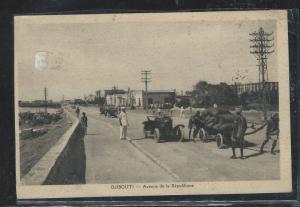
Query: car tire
x=220 y=141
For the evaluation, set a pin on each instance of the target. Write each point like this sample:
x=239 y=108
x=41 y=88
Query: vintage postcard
x=188 y=103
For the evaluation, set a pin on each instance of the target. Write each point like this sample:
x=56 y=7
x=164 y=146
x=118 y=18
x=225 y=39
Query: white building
x=136 y=98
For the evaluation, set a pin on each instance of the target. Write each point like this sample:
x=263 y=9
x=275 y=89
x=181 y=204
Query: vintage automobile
x=109 y=111
x=102 y=109
x=161 y=128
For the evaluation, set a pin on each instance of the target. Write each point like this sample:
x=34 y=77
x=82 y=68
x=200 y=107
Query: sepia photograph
x=187 y=103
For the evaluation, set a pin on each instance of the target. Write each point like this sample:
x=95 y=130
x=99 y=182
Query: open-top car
x=102 y=109
x=109 y=111
x=161 y=128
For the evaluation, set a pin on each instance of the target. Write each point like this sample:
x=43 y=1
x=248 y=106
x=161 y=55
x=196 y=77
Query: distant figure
x=171 y=111
x=191 y=110
x=152 y=108
x=181 y=112
x=83 y=122
x=159 y=111
x=123 y=123
x=238 y=133
x=215 y=109
x=77 y=112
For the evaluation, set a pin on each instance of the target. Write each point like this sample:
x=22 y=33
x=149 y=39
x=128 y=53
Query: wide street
x=139 y=159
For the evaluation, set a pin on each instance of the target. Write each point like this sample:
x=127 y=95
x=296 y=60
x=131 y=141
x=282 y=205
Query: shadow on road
x=253 y=155
x=249 y=144
x=71 y=165
x=142 y=138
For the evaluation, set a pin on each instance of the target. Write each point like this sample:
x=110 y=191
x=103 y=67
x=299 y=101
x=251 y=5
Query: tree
x=205 y=94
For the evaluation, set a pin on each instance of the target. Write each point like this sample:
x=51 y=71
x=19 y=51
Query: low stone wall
x=70 y=166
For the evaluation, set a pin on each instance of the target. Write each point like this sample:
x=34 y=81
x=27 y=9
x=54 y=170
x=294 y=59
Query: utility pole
x=146 y=79
x=262 y=44
x=45 y=94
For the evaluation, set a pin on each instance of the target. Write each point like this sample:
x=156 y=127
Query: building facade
x=137 y=98
x=161 y=97
x=116 y=99
x=253 y=93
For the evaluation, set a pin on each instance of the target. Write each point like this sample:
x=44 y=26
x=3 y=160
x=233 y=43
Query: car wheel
x=220 y=141
x=202 y=135
x=156 y=135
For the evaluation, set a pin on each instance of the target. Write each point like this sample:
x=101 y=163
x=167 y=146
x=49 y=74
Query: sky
x=85 y=57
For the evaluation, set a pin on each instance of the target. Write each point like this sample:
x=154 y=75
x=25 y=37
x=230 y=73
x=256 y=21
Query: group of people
x=196 y=121
x=239 y=128
x=123 y=120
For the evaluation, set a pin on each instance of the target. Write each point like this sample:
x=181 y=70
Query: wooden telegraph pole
x=146 y=79
x=262 y=44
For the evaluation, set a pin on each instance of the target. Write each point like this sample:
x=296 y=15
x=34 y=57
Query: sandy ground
x=33 y=149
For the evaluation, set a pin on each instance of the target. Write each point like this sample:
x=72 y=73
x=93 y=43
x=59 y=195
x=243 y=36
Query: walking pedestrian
x=77 y=112
x=83 y=122
x=272 y=129
x=123 y=123
x=238 y=133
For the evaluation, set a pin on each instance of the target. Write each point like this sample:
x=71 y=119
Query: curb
x=39 y=173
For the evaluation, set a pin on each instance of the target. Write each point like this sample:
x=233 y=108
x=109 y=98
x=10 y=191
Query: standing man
x=123 y=123
x=83 y=122
x=194 y=121
x=77 y=112
x=238 y=133
x=181 y=112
